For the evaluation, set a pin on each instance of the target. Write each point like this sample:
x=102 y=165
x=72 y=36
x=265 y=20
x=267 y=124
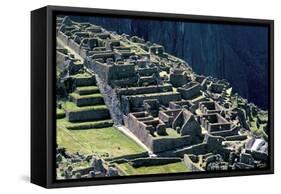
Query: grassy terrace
x=84 y=125
x=70 y=106
x=87 y=89
x=77 y=96
x=82 y=75
x=109 y=141
x=167 y=168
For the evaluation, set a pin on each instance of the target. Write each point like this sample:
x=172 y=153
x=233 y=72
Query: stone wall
x=236 y=138
x=90 y=125
x=140 y=162
x=217 y=88
x=163 y=98
x=121 y=71
x=130 y=81
x=98 y=67
x=209 y=107
x=103 y=55
x=85 y=81
x=82 y=101
x=218 y=127
x=187 y=104
x=144 y=90
x=178 y=80
x=147 y=71
x=156 y=144
x=225 y=133
x=214 y=122
x=187 y=93
x=128 y=157
x=168 y=116
x=112 y=73
x=139 y=129
x=170 y=143
x=87 y=115
x=194 y=149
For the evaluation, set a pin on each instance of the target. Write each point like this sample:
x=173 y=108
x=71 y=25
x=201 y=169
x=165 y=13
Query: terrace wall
x=139 y=162
x=144 y=90
x=187 y=93
x=87 y=115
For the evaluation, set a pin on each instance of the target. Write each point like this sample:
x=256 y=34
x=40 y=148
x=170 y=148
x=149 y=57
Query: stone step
x=84 y=79
x=90 y=125
x=85 y=90
x=87 y=100
x=75 y=113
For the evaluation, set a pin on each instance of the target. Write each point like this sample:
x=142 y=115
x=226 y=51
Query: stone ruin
x=168 y=107
x=68 y=166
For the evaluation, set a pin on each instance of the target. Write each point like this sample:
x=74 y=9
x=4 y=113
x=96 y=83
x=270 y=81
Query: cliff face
x=238 y=54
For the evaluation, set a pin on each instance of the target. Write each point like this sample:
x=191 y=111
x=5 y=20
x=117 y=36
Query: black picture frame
x=43 y=123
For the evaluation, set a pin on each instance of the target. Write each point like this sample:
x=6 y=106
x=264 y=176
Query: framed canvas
x=125 y=96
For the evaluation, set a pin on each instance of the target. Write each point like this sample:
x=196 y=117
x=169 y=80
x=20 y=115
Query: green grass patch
x=77 y=96
x=104 y=141
x=159 y=169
